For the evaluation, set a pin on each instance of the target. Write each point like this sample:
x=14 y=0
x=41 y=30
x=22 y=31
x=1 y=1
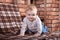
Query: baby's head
x=31 y=12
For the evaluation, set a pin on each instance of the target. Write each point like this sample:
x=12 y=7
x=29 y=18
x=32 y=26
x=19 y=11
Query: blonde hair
x=31 y=7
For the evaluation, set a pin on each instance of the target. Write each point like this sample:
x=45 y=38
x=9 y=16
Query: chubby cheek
x=28 y=17
x=34 y=18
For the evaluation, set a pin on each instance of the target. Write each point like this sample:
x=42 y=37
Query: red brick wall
x=49 y=11
x=6 y=1
x=22 y=6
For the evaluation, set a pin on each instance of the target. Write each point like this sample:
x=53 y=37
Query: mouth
x=31 y=19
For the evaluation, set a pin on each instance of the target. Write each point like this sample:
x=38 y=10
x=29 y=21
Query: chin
x=31 y=20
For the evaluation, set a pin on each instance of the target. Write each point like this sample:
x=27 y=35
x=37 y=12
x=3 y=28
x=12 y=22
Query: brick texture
x=22 y=7
x=6 y=1
x=49 y=11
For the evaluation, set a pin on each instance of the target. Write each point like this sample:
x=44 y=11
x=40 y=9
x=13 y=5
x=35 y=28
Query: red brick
x=54 y=1
x=59 y=26
x=22 y=5
x=59 y=23
x=49 y=1
x=52 y=25
x=26 y=2
x=49 y=25
x=42 y=13
x=52 y=9
x=49 y=29
x=55 y=5
x=47 y=17
x=48 y=21
x=8 y=1
x=55 y=25
x=54 y=29
x=39 y=2
x=41 y=9
x=48 y=5
x=1 y=0
x=52 y=13
x=52 y=17
x=55 y=21
x=38 y=5
x=21 y=1
x=42 y=5
x=38 y=13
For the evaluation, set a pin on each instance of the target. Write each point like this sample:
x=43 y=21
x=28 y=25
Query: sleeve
x=39 y=26
x=22 y=30
x=23 y=27
x=25 y=20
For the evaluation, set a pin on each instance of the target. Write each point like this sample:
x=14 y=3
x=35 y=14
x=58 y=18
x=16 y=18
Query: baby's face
x=31 y=15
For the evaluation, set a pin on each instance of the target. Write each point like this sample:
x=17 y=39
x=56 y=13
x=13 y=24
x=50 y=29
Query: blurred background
x=48 y=10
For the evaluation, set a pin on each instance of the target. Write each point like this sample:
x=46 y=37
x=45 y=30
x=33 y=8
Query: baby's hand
x=21 y=35
x=23 y=28
x=36 y=35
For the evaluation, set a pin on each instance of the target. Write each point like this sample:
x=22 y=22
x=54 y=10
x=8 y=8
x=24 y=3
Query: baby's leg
x=28 y=32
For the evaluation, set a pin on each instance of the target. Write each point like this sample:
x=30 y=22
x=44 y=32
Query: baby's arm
x=39 y=26
x=23 y=29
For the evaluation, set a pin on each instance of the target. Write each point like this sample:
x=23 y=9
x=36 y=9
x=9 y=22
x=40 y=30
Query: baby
x=32 y=21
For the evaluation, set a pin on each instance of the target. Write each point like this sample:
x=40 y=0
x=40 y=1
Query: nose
x=31 y=16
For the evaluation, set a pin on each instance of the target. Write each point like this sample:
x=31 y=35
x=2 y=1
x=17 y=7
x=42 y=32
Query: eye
x=33 y=14
x=29 y=14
